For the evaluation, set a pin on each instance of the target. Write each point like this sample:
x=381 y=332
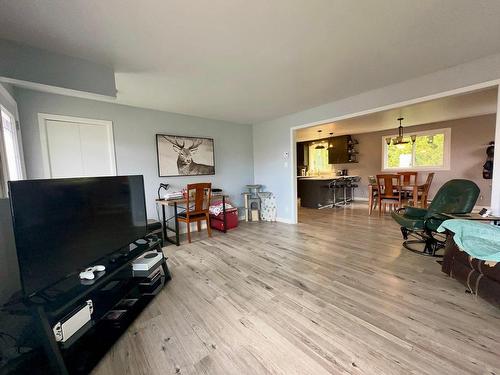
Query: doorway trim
x=457 y=91
x=42 y=126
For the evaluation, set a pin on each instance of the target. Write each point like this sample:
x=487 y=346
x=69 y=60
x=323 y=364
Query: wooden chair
x=423 y=190
x=408 y=178
x=389 y=191
x=372 y=194
x=197 y=205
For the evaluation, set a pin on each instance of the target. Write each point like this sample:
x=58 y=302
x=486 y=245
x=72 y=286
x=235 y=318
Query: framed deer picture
x=184 y=156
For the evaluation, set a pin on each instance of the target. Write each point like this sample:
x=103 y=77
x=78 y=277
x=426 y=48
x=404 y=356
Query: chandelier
x=399 y=140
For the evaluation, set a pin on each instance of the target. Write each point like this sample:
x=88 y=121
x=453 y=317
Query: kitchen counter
x=314 y=191
x=323 y=178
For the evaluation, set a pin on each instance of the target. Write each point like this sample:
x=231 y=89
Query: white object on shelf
x=88 y=274
x=147 y=261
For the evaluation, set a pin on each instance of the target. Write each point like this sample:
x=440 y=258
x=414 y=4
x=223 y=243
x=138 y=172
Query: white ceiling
x=449 y=108
x=248 y=61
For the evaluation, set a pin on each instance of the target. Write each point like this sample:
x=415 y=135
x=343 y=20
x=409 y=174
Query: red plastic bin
x=217 y=221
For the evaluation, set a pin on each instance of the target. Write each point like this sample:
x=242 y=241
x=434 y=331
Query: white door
x=77 y=149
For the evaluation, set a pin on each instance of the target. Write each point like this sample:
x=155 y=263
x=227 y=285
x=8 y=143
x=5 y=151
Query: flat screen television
x=62 y=226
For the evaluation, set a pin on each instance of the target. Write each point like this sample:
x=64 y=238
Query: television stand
x=117 y=297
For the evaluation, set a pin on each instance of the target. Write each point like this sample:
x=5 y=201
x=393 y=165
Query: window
x=318 y=158
x=430 y=151
x=12 y=156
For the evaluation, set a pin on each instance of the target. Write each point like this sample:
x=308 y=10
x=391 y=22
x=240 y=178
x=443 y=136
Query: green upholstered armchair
x=454 y=197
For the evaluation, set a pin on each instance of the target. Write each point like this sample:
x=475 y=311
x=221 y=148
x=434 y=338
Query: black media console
x=117 y=297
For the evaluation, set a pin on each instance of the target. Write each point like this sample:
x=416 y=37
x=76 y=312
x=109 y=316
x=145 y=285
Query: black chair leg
x=404 y=232
x=432 y=246
x=426 y=244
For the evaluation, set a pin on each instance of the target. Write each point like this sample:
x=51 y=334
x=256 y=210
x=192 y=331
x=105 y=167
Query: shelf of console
x=88 y=345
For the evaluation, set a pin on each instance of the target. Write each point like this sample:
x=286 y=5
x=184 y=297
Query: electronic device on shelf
x=88 y=273
x=152 y=237
x=152 y=283
x=485 y=212
x=73 y=322
x=143 y=265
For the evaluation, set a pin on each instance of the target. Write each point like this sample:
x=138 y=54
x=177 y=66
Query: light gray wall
x=134 y=134
x=469 y=138
x=9 y=271
x=272 y=138
x=31 y=64
x=8 y=88
x=5 y=100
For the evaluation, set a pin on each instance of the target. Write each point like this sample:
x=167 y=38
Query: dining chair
x=423 y=190
x=408 y=180
x=197 y=207
x=372 y=194
x=389 y=191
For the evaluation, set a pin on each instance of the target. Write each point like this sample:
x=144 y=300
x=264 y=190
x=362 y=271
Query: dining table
x=413 y=188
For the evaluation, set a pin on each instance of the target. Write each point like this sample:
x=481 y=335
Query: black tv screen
x=62 y=226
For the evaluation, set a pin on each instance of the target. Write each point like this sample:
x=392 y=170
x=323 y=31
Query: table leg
x=224 y=213
x=370 y=199
x=415 y=195
x=177 y=242
x=164 y=223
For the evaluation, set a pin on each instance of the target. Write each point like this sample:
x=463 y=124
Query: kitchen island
x=315 y=192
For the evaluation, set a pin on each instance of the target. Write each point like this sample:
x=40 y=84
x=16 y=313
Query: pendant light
x=398 y=141
x=330 y=141
x=320 y=145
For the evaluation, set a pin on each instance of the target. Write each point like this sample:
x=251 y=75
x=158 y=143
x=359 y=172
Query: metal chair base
x=429 y=249
x=431 y=244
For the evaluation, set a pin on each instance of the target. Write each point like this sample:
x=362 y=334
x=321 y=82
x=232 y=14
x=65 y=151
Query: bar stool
x=349 y=186
x=336 y=186
x=329 y=202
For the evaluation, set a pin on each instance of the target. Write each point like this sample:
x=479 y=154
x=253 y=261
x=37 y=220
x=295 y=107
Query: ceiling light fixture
x=330 y=142
x=320 y=145
x=399 y=140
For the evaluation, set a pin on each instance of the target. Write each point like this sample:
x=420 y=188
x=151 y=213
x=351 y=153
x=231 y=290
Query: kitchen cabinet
x=342 y=150
x=302 y=154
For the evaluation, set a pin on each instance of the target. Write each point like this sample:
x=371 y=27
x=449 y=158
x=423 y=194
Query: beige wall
x=468 y=153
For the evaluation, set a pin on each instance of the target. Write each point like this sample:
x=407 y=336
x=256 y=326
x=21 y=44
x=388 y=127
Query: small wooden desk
x=175 y=203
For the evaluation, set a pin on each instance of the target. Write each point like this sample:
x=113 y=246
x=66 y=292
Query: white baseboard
x=360 y=199
x=284 y=220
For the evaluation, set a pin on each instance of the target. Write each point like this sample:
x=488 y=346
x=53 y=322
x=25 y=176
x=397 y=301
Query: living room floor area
x=335 y=294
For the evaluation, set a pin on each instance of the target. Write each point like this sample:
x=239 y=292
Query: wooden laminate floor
x=335 y=294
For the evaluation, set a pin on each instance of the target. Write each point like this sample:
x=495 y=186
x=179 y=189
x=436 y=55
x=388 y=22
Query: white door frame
x=42 y=123
x=10 y=104
x=495 y=191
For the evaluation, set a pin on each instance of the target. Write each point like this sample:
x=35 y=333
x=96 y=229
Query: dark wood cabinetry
x=342 y=150
x=302 y=154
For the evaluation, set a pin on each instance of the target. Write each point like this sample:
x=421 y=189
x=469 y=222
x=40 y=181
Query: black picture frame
x=201 y=167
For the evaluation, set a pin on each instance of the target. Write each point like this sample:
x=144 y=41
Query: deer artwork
x=185 y=163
